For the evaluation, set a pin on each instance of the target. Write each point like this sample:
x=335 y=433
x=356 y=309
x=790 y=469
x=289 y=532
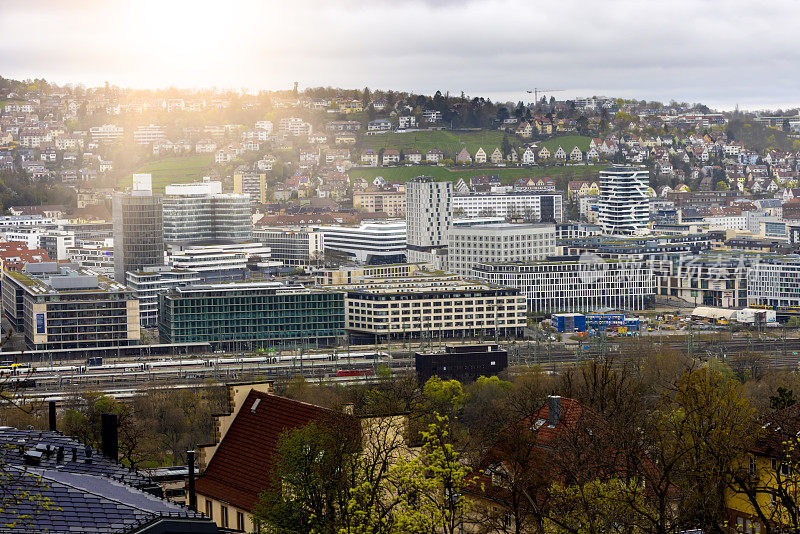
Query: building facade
x=623 y=207
x=392 y=203
x=470 y=245
x=251 y=184
x=292 y=246
x=60 y=306
x=774 y=282
x=221 y=263
x=260 y=314
x=531 y=207
x=567 y=284
x=138 y=232
x=200 y=212
x=431 y=307
x=368 y=243
x=429 y=215
x=148 y=283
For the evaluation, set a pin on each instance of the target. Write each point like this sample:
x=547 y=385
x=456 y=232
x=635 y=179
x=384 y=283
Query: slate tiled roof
x=97 y=495
x=240 y=468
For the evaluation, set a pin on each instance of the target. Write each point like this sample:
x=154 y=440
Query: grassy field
x=174 y=170
x=448 y=142
x=567 y=142
x=507 y=175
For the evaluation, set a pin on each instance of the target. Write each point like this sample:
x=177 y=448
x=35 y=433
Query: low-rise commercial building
x=711 y=279
x=150 y=281
x=470 y=245
x=532 y=207
x=368 y=243
x=348 y=275
x=431 y=306
x=60 y=306
x=570 y=284
x=464 y=363
x=98 y=259
x=223 y=262
x=258 y=314
x=293 y=246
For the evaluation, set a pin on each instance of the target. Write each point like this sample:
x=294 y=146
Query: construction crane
x=536 y=92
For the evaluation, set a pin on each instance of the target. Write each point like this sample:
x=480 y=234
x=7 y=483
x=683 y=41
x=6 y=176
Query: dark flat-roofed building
x=464 y=363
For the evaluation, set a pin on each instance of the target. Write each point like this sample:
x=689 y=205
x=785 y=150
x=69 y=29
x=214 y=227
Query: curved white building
x=623 y=207
x=369 y=242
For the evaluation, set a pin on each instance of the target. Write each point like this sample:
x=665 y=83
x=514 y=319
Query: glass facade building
x=260 y=314
x=207 y=218
x=138 y=232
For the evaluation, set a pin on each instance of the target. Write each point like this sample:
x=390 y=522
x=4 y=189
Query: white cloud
x=719 y=53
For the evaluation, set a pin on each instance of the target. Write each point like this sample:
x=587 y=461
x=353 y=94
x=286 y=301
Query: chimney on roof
x=192 y=494
x=74 y=454
x=108 y=434
x=51 y=406
x=553 y=410
x=87 y=453
x=60 y=454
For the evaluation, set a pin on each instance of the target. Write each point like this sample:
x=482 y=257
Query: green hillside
x=507 y=175
x=448 y=142
x=174 y=170
x=567 y=142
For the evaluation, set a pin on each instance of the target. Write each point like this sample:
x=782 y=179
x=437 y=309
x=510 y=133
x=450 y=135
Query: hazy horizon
x=683 y=51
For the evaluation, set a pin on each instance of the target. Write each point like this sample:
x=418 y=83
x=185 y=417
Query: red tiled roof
x=240 y=468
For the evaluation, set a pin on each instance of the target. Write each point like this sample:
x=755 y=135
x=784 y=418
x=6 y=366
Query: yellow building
x=348 y=275
x=765 y=491
x=252 y=184
x=393 y=203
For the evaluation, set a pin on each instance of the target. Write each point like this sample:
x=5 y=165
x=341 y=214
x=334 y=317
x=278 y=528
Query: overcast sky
x=721 y=53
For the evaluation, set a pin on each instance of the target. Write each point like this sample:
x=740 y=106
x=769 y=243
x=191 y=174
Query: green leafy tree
x=430 y=486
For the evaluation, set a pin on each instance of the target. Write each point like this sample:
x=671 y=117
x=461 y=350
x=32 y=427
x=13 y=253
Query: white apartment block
x=623 y=207
x=569 y=285
x=106 y=133
x=493 y=243
x=147 y=135
x=429 y=215
x=530 y=206
x=774 y=282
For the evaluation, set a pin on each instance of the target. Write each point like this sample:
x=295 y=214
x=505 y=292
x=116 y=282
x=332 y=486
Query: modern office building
x=708 y=279
x=431 y=306
x=60 y=306
x=257 y=314
x=429 y=216
x=368 y=243
x=138 y=229
x=98 y=259
x=623 y=207
x=56 y=243
x=293 y=246
x=224 y=262
x=567 y=284
x=470 y=245
x=200 y=212
x=148 y=283
x=251 y=184
x=392 y=203
x=532 y=207
x=774 y=282
x=349 y=275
